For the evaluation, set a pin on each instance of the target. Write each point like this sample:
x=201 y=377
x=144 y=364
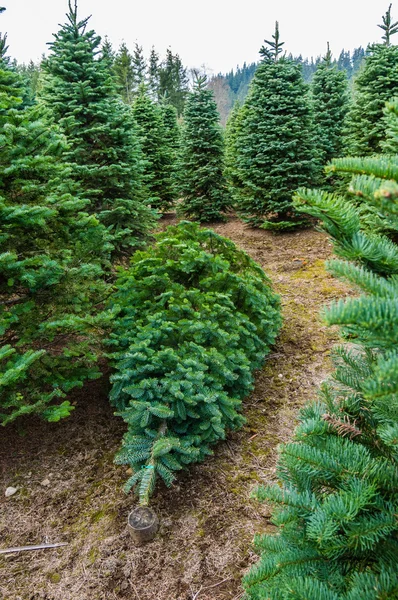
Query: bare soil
x=69 y=490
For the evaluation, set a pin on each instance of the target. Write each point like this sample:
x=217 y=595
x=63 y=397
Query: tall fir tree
x=50 y=278
x=202 y=184
x=153 y=74
x=275 y=147
x=124 y=73
x=232 y=131
x=376 y=83
x=103 y=144
x=330 y=105
x=139 y=68
x=172 y=141
x=159 y=167
x=337 y=503
x=173 y=81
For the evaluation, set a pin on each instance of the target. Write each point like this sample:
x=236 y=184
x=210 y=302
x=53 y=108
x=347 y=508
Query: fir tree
x=374 y=86
x=337 y=503
x=104 y=150
x=330 y=104
x=172 y=141
x=139 y=68
x=232 y=132
x=275 y=146
x=50 y=279
x=159 y=166
x=173 y=81
x=124 y=72
x=153 y=74
x=202 y=184
x=195 y=317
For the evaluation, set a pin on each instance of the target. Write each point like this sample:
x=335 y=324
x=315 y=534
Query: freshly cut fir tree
x=336 y=507
x=195 y=317
x=159 y=169
x=376 y=84
x=330 y=106
x=50 y=279
x=275 y=146
x=103 y=144
x=202 y=184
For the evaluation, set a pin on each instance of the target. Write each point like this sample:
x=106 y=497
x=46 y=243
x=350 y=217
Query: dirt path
x=70 y=490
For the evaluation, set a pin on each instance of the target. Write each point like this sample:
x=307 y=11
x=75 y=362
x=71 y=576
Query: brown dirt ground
x=207 y=518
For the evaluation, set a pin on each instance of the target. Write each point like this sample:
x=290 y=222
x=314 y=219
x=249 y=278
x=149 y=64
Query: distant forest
x=233 y=86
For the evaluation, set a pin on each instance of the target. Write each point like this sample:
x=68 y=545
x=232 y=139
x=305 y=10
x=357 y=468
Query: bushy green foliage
x=275 y=146
x=195 y=317
x=103 y=145
x=376 y=84
x=338 y=500
x=202 y=183
x=50 y=278
x=159 y=167
x=330 y=105
x=232 y=132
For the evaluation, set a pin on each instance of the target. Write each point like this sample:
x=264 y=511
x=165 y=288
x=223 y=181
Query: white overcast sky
x=217 y=33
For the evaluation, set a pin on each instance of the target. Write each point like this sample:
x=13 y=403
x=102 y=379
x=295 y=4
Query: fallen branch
x=39 y=547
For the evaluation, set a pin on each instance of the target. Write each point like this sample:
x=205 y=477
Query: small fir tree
x=375 y=85
x=195 y=317
x=202 y=184
x=159 y=167
x=330 y=105
x=275 y=147
x=104 y=149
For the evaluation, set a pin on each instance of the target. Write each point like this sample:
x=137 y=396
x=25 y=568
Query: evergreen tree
x=337 y=505
x=172 y=141
x=104 y=150
x=390 y=144
x=275 y=147
x=50 y=278
x=153 y=74
x=374 y=86
x=330 y=104
x=159 y=167
x=173 y=81
x=124 y=72
x=195 y=317
x=139 y=68
x=202 y=184
x=232 y=132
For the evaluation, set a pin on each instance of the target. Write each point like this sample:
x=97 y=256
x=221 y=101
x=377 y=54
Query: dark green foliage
x=50 y=279
x=172 y=81
x=232 y=133
x=195 y=317
x=275 y=146
x=160 y=167
x=338 y=500
x=124 y=73
x=376 y=84
x=103 y=145
x=330 y=105
x=172 y=141
x=202 y=184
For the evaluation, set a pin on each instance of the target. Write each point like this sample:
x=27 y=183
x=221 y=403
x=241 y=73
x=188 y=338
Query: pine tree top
x=388 y=27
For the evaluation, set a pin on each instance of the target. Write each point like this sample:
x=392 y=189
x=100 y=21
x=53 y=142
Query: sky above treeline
x=217 y=34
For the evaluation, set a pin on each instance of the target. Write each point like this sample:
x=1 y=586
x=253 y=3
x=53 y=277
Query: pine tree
x=337 y=503
x=275 y=147
x=104 y=150
x=330 y=105
x=173 y=81
x=153 y=74
x=374 y=86
x=202 y=184
x=159 y=167
x=124 y=72
x=50 y=279
x=195 y=317
x=139 y=68
x=232 y=132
